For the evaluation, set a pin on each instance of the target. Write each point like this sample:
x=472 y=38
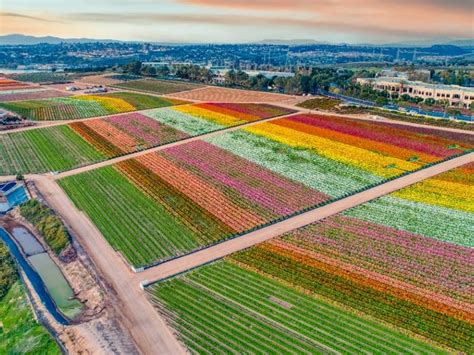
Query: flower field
x=234 y=182
x=441 y=208
x=30 y=94
x=44 y=77
x=207 y=192
x=9 y=84
x=120 y=134
x=337 y=155
x=203 y=118
x=84 y=106
x=241 y=310
x=352 y=275
x=45 y=149
x=116 y=135
x=158 y=86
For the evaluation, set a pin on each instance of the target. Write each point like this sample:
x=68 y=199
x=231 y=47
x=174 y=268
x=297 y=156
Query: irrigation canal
x=33 y=277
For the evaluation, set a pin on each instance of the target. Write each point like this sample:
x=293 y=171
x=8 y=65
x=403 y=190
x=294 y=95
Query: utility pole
x=414 y=56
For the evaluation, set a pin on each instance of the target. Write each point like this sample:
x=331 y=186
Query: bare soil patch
x=217 y=94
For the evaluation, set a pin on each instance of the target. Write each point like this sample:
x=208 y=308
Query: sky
x=237 y=21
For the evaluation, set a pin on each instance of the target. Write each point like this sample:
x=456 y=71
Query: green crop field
x=45 y=149
x=131 y=222
x=44 y=77
x=145 y=102
x=158 y=86
x=223 y=308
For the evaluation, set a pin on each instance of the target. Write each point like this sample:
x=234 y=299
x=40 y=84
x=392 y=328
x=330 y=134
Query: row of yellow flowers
x=442 y=193
x=216 y=117
x=373 y=162
x=112 y=104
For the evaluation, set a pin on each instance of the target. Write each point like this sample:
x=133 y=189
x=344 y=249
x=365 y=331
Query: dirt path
x=161 y=147
x=149 y=331
x=207 y=255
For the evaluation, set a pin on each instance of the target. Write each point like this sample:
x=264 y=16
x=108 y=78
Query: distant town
x=435 y=80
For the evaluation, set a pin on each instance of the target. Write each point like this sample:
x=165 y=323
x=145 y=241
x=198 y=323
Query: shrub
x=48 y=224
x=8 y=274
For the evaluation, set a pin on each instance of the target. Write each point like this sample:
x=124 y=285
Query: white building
x=458 y=96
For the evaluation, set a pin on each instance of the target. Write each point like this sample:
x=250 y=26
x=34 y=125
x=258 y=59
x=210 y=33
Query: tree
x=430 y=101
x=149 y=70
x=381 y=101
x=230 y=78
x=241 y=77
x=163 y=71
x=134 y=67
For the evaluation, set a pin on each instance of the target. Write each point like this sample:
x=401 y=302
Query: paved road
x=187 y=262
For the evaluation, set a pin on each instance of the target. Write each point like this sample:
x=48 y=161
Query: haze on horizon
x=349 y=21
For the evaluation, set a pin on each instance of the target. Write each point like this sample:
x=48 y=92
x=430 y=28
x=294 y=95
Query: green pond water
x=56 y=284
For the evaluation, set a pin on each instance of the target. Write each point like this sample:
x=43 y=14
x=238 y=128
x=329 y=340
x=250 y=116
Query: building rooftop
x=421 y=83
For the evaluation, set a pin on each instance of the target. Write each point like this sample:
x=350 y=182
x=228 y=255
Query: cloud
x=305 y=5
x=22 y=16
x=363 y=23
x=425 y=17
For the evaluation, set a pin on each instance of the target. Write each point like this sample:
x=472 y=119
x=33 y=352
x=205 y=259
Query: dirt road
x=192 y=260
x=149 y=331
x=156 y=149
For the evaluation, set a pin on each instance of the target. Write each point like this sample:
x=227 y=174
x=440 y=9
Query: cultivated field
x=237 y=181
x=30 y=94
x=88 y=141
x=158 y=86
x=84 y=106
x=9 y=84
x=346 y=270
x=216 y=94
x=116 y=135
x=99 y=80
x=44 y=149
x=43 y=77
x=441 y=208
x=243 y=310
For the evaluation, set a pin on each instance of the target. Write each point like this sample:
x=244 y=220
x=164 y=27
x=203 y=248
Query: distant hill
x=447 y=49
x=18 y=39
x=290 y=42
x=463 y=43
